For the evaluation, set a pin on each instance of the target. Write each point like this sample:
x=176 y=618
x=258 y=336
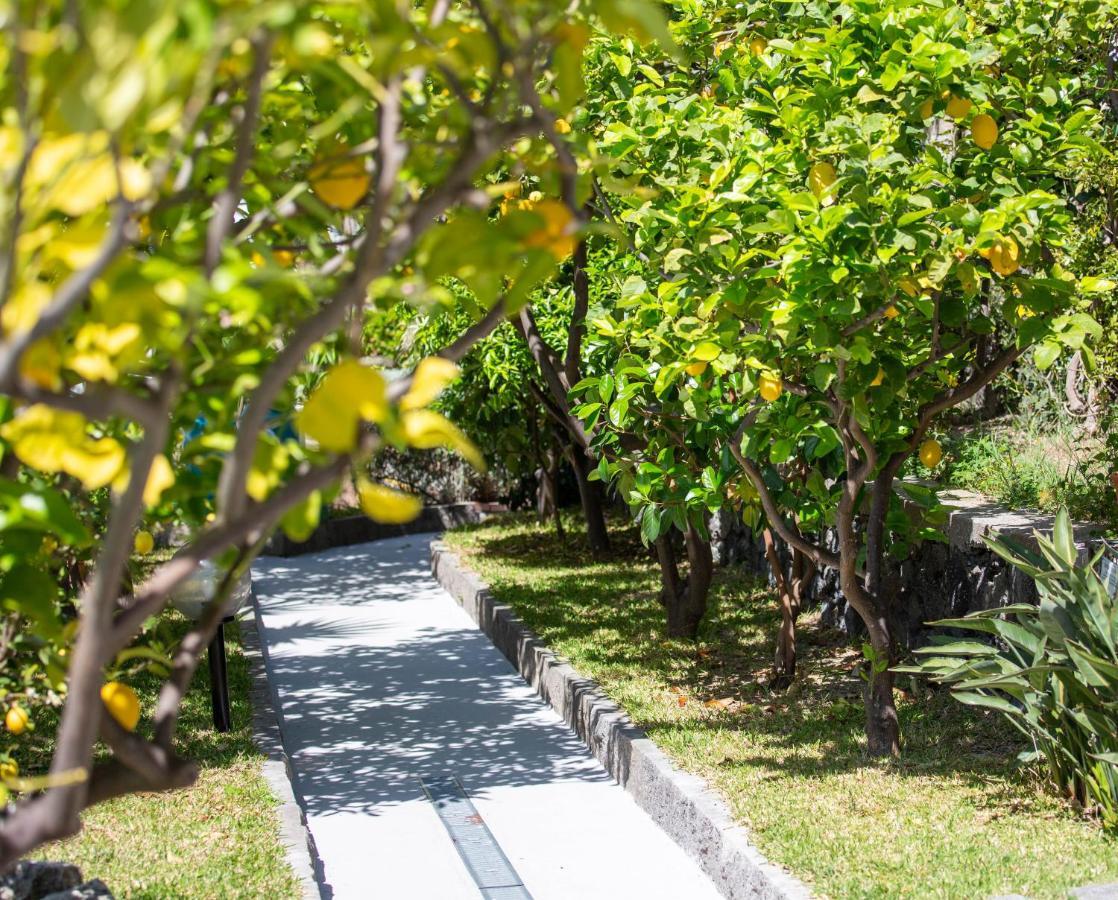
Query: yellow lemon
x=878 y=379
x=697 y=368
x=772 y=386
x=892 y=312
x=122 y=703
x=931 y=453
x=926 y=110
x=819 y=179
x=984 y=130
x=1003 y=254
x=284 y=258
x=144 y=543
x=757 y=46
x=9 y=769
x=958 y=107
x=341 y=182
x=17 y=719
x=555 y=235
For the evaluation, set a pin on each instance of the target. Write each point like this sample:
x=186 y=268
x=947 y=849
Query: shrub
x=1054 y=670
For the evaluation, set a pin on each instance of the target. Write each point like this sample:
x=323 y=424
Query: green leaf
x=300 y=522
x=1046 y=354
x=31 y=593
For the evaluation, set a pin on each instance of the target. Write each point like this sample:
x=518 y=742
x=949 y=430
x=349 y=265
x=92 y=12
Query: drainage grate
x=481 y=853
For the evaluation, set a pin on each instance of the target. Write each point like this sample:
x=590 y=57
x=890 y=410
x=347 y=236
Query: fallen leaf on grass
x=724 y=703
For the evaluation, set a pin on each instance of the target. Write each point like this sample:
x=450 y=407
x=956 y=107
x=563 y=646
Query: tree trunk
x=882 y=727
x=685 y=599
x=590 y=497
x=784 y=663
x=550 y=487
x=790 y=589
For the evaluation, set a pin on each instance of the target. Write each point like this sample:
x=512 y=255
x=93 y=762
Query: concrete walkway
x=384 y=681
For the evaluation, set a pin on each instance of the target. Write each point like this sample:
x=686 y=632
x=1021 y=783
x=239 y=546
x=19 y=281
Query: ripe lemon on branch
x=931 y=453
x=16 y=719
x=340 y=180
x=959 y=107
x=984 y=131
x=122 y=703
x=771 y=387
x=144 y=543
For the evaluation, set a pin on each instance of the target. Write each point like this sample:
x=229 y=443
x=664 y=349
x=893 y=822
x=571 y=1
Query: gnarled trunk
x=790 y=589
x=685 y=598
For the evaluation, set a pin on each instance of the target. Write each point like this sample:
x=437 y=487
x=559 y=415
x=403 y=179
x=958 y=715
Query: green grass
x=956 y=816
x=219 y=838
x=1026 y=470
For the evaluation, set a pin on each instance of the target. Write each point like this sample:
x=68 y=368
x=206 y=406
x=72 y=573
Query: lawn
x=955 y=816
x=220 y=838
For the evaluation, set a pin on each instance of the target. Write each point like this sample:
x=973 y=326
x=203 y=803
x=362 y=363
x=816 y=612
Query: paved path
x=383 y=680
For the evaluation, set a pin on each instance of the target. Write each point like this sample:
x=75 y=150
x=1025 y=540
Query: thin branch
x=98 y=401
x=255 y=521
x=72 y=292
x=460 y=347
x=866 y=320
x=226 y=203
x=580 y=287
x=789 y=533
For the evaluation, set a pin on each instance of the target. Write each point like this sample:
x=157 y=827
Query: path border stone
x=294 y=835
x=683 y=805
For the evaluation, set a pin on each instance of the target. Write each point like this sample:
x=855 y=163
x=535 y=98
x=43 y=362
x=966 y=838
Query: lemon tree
x=866 y=218
x=202 y=203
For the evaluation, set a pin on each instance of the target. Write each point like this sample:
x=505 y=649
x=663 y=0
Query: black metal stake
x=219 y=680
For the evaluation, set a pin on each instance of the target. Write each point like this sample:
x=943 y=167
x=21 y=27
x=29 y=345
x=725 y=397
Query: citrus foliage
x=855 y=216
x=201 y=202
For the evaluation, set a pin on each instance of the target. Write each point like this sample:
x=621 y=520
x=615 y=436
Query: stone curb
x=266 y=734
x=681 y=804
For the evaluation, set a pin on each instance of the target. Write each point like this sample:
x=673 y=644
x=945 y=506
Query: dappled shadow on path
x=376 y=696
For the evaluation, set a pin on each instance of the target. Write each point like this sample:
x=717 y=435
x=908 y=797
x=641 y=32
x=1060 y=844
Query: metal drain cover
x=480 y=852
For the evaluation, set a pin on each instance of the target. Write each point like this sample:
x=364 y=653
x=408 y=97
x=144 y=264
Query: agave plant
x=1052 y=668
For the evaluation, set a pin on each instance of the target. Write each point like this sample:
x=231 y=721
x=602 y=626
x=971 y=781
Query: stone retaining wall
x=937 y=580
x=343 y=532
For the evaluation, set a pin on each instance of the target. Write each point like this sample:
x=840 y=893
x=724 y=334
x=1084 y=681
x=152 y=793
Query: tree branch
x=789 y=533
x=226 y=203
x=72 y=292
